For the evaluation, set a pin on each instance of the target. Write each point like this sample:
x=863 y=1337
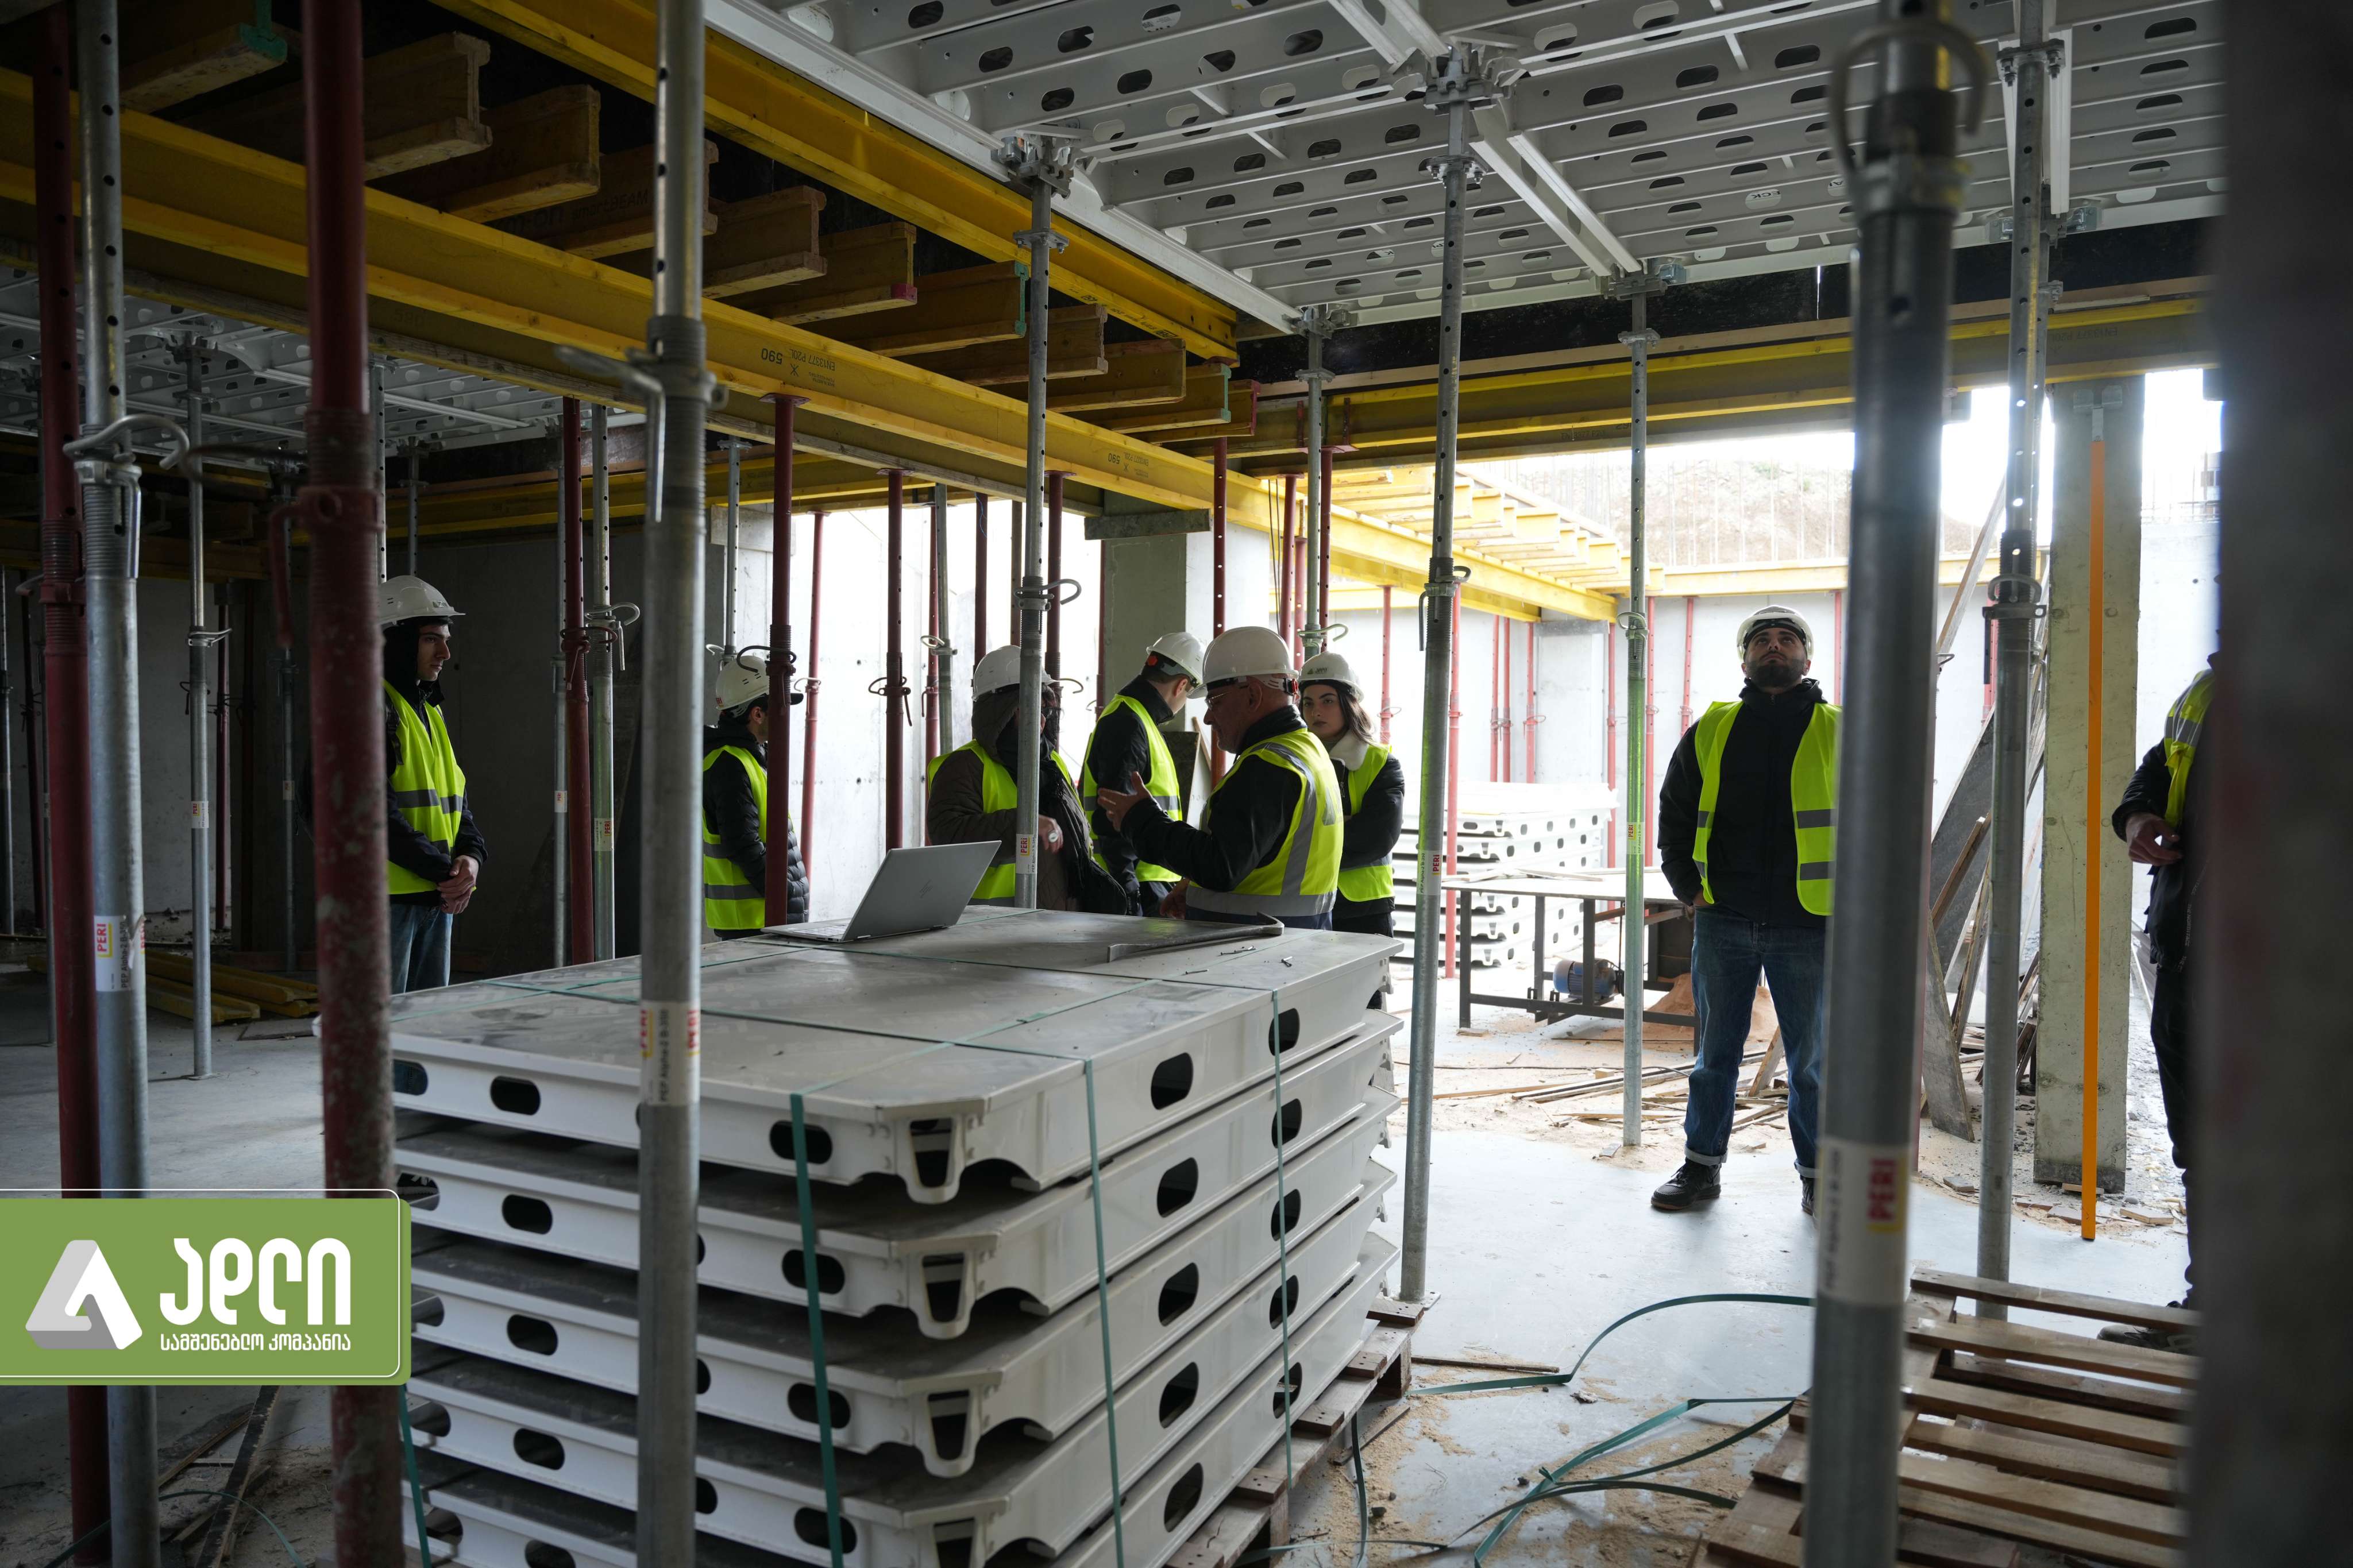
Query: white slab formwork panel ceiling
x=1273 y=152
x=975 y=1369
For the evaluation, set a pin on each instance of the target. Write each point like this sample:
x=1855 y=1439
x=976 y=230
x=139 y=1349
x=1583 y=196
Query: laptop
x=915 y=889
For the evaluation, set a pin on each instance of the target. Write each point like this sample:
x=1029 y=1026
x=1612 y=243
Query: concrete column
x=1156 y=581
x=2112 y=409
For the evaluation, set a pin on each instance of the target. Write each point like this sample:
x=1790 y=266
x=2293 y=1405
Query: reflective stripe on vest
x=1302 y=877
x=1161 y=786
x=428 y=787
x=1813 y=797
x=999 y=791
x=729 y=901
x=1367 y=884
x=2183 y=725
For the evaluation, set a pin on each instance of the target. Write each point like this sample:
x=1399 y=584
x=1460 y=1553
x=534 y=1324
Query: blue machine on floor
x=1568 y=978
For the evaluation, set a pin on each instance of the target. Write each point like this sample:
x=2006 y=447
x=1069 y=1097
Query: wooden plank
x=950 y=310
x=2151 y=1523
x=290 y=999
x=1241 y=419
x=178 y=999
x=2098 y=1468
x=1075 y=346
x=542 y=153
x=173 y=50
x=421 y=104
x=763 y=242
x=2099 y=1393
x=869 y=269
x=2021 y=1341
x=1920 y=1542
x=1938 y=1397
x=1149 y=372
x=2067 y=1303
x=618 y=218
x=1958 y=1499
x=1204 y=404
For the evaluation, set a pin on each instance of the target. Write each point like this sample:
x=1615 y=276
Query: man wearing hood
x=434 y=851
x=735 y=810
x=975 y=798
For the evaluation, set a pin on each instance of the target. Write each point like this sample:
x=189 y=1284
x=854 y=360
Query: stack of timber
x=1513 y=828
x=239 y=996
x=2022 y=1446
x=975 y=1107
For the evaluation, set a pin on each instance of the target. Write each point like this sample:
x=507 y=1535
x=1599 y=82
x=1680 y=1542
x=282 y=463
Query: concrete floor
x=1535 y=1245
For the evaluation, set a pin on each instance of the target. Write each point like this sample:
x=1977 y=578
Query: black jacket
x=2172 y=889
x=1118 y=748
x=953 y=813
x=732 y=811
x=1244 y=826
x=403 y=846
x=1752 y=856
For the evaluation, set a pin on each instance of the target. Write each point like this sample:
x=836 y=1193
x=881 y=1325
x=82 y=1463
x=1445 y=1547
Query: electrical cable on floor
x=61 y=1558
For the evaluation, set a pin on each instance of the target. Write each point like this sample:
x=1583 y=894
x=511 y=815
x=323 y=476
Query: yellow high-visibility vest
x=1161 y=786
x=2184 y=723
x=1366 y=884
x=1303 y=876
x=428 y=787
x=999 y=791
x=1813 y=797
x=729 y=901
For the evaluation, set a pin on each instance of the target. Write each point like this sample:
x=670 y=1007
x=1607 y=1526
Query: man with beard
x=735 y=810
x=1128 y=739
x=974 y=796
x=1746 y=820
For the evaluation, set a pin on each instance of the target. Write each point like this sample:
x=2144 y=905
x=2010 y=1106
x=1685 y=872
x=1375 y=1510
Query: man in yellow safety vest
x=1128 y=739
x=1268 y=843
x=1748 y=817
x=735 y=820
x=2159 y=821
x=433 y=853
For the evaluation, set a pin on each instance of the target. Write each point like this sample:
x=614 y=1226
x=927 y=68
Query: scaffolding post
x=979 y=574
x=1044 y=166
x=200 y=722
x=1907 y=192
x=1314 y=321
x=943 y=650
x=64 y=784
x=892 y=686
x=670 y=856
x=2031 y=64
x=734 y=547
x=810 y=686
x=777 y=895
x=7 y=758
x=413 y=483
x=560 y=749
x=601 y=650
x=1458 y=85
x=1632 y=930
x=578 y=845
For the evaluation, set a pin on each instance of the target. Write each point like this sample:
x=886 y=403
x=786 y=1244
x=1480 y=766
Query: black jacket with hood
x=732 y=811
x=1751 y=855
x=953 y=814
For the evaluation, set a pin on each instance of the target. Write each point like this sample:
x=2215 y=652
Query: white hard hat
x=1180 y=649
x=1245 y=651
x=1776 y=615
x=999 y=669
x=1331 y=669
x=742 y=679
x=403 y=599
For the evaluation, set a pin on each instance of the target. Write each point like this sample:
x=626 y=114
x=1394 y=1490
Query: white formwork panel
x=1319 y=976
x=875 y=1251
x=766 y=1490
x=579 y=1321
x=913 y=1067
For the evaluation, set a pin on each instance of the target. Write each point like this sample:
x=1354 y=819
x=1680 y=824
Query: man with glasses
x=1269 y=843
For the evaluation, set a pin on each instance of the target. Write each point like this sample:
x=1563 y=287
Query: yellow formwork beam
x=767 y=107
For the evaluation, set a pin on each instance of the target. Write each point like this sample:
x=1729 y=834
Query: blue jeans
x=1728 y=954
x=420 y=947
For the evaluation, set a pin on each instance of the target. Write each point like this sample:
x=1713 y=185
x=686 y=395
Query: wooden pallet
x=1257 y=1513
x=2025 y=1447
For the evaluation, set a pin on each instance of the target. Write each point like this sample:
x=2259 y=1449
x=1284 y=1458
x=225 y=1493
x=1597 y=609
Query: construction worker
x=1373 y=795
x=1269 y=843
x=735 y=810
x=2159 y=821
x=1746 y=820
x=1128 y=739
x=975 y=794
x=434 y=851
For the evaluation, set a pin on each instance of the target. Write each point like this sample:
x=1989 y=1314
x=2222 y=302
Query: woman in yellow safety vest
x=1372 y=800
x=735 y=822
x=1269 y=843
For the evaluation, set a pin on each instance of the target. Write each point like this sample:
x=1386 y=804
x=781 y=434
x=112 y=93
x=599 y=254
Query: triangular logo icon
x=82 y=1278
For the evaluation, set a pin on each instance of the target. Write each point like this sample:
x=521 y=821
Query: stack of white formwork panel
x=1236 y=1086
x=1506 y=828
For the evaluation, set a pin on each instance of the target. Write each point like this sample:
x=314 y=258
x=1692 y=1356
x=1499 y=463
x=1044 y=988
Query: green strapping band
x=416 y=1480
